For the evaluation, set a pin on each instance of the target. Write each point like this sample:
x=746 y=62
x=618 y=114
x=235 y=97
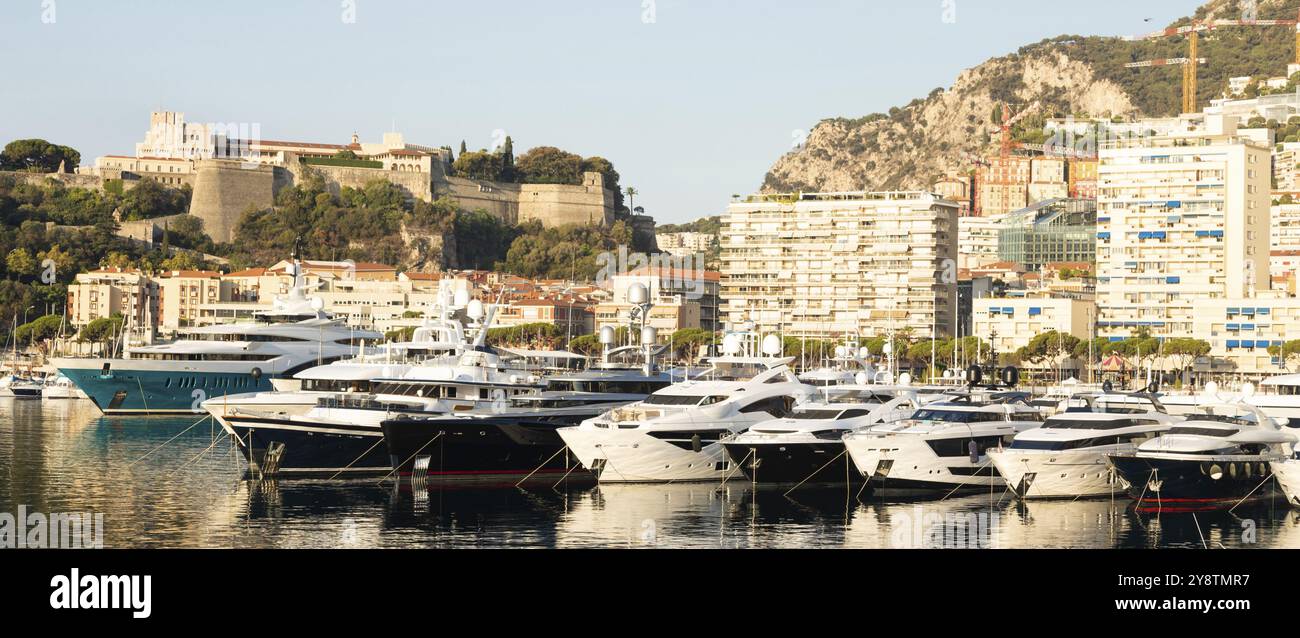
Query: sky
x=692 y=100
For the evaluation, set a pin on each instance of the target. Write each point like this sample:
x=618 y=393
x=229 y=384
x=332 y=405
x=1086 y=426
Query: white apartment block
x=684 y=244
x=977 y=240
x=830 y=264
x=682 y=298
x=1009 y=323
x=1182 y=220
x=1286 y=168
x=113 y=291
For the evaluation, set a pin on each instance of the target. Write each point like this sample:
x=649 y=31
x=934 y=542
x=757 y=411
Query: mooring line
x=399 y=465
x=728 y=475
x=168 y=441
x=363 y=454
x=787 y=492
x=1243 y=499
x=196 y=457
x=539 y=467
x=959 y=486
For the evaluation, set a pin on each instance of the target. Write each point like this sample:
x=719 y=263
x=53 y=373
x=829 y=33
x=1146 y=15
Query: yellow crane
x=1190 y=63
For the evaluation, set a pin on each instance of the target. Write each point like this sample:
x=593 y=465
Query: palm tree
x=631 y=198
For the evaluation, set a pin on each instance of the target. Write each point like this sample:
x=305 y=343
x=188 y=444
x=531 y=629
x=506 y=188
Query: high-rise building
x=1182 y=218
x=831 y=264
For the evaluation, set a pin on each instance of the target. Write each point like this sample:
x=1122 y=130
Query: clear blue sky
x=691 y=108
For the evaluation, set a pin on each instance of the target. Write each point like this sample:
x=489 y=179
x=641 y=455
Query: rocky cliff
x=911 y=146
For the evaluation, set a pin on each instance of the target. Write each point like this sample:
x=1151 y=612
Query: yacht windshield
x=673 y=399
x=1109 y=424
x=814 y=414
x=1221 y=432
x=956 y=416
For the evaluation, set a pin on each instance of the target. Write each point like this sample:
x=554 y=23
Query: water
x=64 y=456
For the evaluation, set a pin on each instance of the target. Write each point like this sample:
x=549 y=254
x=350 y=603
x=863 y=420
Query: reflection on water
x=176 y=482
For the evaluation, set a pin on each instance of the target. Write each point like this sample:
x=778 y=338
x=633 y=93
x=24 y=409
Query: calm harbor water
x=161 y=483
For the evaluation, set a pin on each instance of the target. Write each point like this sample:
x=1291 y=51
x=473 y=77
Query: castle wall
x=69 y=180
x=417 y=185
x=552 y=204
x=224 y=189
x=499 y=199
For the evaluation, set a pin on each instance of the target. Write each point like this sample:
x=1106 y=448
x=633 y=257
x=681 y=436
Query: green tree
x=38 y=156
x=101 y=330
x=20 y=263
x=1287 y=351
x=549 y=165
x=39 y=329
x=479 y=165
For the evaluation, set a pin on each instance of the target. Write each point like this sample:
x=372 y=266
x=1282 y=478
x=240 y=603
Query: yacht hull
x=906 y=466
x=309 y=450
x=148 y=392
x=1074 y=474
x=1161 y=484
x=476 y=448
x=21 y=392
x=792 y=463
x=1288 y=478
x=634 y=456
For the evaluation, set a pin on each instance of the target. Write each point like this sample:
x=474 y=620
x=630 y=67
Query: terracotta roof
x=206 y=274
x=423 y=276
x=249 y=272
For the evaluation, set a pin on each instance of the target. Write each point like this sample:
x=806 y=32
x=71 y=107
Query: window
x=778 y=406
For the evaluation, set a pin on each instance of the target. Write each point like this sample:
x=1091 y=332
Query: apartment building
x=181 y=294
x=977 y=240
x=113 y=291
x=682 y=299
x=1182 y=221
x=685 y=244
x=1009 y=323
x=829 y=264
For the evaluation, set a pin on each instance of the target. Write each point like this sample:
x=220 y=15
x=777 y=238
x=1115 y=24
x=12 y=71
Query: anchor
x=1026 y=482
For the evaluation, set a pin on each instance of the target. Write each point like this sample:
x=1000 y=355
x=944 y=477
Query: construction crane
x=1001 y=167
x=1190 y=63
x=1189 y=75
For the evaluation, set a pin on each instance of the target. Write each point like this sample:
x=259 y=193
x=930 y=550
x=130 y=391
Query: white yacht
x=213 y=361
x=1066 y=457
x=943 y=445
x=14 y=386
x=439 y=340
x=676 y=433
x=341 y=430
x=1277 y=396
x=61 y=387
x=1218 y=457
x=1288 y=477
x=807 y=445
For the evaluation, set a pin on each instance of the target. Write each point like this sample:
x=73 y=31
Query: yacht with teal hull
x=213 y=361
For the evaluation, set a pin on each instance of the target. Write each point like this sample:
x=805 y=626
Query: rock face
x=913 y=146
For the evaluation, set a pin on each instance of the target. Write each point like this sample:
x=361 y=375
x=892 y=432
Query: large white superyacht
x=943 y=446
x=676 y=434
x=1066 y=457
x=213 y=361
